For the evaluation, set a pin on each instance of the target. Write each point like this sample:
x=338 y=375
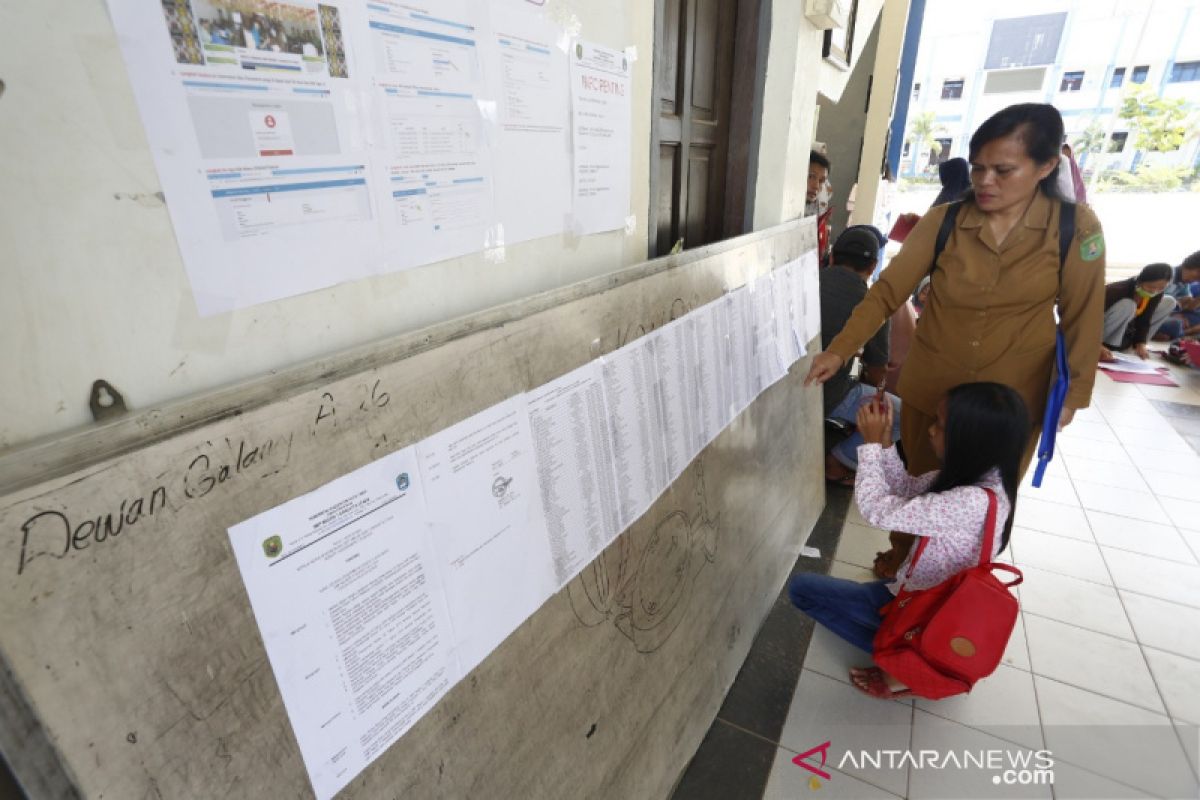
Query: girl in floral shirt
x=980 y=433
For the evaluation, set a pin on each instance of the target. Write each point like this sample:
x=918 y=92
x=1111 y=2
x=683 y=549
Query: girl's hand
x=1106 y=354
x=875 y=421
x=824 y=366
x=1142 y=352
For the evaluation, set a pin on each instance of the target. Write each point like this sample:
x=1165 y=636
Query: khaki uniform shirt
x=990 y=315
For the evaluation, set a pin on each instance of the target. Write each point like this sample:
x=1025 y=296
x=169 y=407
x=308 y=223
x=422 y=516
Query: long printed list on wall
x=377 y=592
x=304 y=144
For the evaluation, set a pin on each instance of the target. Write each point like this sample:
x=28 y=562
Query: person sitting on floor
x=1184 y=286
x=1134 y=310
x=979 y=435
x=843 y=286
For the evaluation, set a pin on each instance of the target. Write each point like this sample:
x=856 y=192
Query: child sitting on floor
x=979 y=435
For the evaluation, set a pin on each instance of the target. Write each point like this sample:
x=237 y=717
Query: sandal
x=870 y=681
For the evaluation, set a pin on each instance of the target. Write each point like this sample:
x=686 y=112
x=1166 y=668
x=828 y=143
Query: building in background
x=1083 y=56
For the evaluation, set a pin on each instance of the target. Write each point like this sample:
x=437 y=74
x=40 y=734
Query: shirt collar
x=1036 y=216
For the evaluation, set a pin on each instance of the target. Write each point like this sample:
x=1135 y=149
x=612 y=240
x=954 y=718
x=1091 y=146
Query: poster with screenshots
x=434 y=162
x=252 y=113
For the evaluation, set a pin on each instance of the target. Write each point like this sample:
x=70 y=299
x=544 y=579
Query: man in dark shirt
x=843 y=286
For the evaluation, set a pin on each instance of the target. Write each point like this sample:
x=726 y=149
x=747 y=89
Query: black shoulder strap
x=945 y=231
x=1066 y=232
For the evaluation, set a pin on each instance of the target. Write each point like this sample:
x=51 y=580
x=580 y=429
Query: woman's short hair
x=1155 y=272
x=1040 y=127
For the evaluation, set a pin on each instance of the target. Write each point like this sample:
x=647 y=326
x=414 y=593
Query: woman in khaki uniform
x=990 y=314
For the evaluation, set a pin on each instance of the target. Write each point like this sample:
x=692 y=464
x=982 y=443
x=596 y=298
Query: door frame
x=753 y=18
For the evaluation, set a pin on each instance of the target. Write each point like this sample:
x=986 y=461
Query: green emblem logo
x=1092 y=247
x=272 y=546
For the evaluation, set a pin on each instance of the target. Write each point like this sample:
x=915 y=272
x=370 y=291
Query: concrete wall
x=842 y=124
x=134 y=667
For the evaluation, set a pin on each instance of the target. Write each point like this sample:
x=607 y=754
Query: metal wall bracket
x=106 y=402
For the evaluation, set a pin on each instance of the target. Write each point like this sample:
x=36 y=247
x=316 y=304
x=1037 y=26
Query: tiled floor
x=1103 y=669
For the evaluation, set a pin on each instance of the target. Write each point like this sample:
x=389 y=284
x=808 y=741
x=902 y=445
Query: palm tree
x=922 y=136
x=1091 y=140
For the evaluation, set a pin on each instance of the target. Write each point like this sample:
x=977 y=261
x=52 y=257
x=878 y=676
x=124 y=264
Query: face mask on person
x=1147 y=295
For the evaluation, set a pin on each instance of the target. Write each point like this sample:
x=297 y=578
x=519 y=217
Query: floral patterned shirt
x=891 y=499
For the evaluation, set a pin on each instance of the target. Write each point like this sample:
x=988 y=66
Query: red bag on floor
x=939 y=641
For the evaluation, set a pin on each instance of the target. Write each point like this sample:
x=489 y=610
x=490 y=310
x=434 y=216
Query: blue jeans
x=848 y=608
x=1176 y=323
x=846 y=451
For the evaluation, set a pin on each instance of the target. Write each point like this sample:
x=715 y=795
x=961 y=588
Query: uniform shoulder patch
x=1091 y=247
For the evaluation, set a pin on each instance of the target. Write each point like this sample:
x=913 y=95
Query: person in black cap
x=843 y=286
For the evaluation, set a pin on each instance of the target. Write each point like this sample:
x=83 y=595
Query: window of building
x=1117 y=143
x=1071 y=82
x=916 y=91
x=1118 y=77
x=1007 y=81
x=1140 y=74
x=952 y=90
x=1025 y=41
x=1185 y=71
x=907 y=149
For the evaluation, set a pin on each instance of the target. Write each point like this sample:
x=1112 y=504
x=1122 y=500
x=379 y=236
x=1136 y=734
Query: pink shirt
x=891 y=499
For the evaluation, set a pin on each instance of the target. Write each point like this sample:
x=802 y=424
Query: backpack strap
x=989 y=530
x=1066 y=232
x=948 y=227
x=985 y=551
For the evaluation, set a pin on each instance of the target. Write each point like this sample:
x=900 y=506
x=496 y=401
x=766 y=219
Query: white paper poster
x=635 y=422
x=768 y=351
x=530 y=83
x=253 y=116
x=569 y=423
x=810 y=277
x=487 y=527
x=675 y=364
x=433 y=165
x=601 y=130
x=799 y=324
x=349 y=600
x=713 y=372
x=305 y=143
x=377 y=592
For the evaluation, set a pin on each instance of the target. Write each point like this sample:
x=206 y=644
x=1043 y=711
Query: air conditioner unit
x=827 y=13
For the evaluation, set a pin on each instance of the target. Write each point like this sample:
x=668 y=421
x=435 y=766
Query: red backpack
x=939 y=641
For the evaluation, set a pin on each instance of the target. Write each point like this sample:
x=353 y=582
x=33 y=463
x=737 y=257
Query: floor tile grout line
x=1193 y=563
x=1142 y=651
x=1084 y=627
x=987 y=732
x=758 y=736
x=855 y=777
x=1037 y=699
x=912 y=729
x=1165 y=715
x=1128 y=620
x=1100 y=544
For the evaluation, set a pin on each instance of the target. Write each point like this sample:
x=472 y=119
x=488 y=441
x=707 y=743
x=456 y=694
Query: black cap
x=861 y=240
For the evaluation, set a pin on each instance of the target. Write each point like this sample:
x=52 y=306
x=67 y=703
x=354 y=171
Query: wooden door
x=693 y=76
